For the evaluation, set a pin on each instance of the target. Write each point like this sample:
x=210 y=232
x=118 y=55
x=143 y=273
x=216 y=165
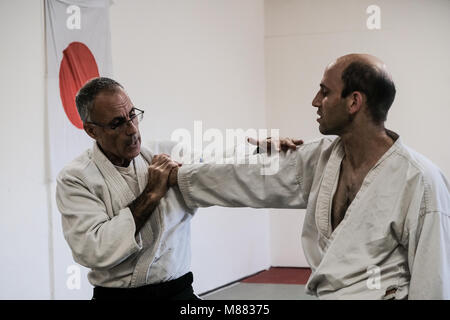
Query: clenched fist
x=158 y=174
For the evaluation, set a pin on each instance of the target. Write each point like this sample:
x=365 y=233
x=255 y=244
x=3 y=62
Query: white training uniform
x=93 y=197
x=394 y=235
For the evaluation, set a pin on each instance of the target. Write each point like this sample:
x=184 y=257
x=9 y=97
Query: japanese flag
x=78 y=49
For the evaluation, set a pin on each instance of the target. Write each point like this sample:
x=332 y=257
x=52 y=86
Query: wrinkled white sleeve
x=97 y=240
x=245 y=185
x=429 y=257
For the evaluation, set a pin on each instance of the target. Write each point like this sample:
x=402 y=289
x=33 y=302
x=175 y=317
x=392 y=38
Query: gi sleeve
x=261 y=182
x=429 y=258
x=97 y=241
x=429 y=242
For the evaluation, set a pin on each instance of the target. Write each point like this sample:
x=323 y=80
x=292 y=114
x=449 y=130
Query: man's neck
x=114 y=160
x=363 y=147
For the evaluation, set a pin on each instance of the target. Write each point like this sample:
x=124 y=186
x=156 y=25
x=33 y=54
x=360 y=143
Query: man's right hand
x=157 y=186
x=158 y=174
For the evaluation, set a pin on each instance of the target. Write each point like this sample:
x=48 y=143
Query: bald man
x=377 y=213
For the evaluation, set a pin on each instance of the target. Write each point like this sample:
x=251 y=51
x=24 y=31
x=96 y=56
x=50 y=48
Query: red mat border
x=281 y=275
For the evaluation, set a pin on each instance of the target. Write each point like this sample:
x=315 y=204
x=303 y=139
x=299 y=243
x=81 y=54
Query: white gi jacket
x=93 y=197
x=395 y=234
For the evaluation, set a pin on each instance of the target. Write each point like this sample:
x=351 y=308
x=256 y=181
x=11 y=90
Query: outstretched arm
x=278 y=181
x=242 y=185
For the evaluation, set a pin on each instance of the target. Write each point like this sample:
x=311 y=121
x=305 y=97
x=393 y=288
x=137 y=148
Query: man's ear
x=90 y=130
x=356 y=100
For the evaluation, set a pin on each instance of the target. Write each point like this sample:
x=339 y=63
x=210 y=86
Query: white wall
x=24 y=232
x=302 y=37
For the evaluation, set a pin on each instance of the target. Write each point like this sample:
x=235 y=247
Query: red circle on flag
x=77 y=67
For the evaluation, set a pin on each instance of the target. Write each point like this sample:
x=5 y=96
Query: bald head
x=369 y=75
x=363 y=58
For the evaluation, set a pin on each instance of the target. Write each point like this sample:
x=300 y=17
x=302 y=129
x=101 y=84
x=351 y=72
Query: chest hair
x=350 y=182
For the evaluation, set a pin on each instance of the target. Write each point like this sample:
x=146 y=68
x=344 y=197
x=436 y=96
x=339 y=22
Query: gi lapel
x=120 y=190
x=327 y=189
x=152 y=230
x=141 y=164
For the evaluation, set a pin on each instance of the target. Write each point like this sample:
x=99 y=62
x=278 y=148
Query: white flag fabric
x=78 y=49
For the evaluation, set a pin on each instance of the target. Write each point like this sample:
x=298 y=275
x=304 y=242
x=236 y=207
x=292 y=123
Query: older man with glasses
x=118 y=215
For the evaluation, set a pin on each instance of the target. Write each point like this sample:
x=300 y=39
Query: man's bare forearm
x=142 y=207
x=157 y=185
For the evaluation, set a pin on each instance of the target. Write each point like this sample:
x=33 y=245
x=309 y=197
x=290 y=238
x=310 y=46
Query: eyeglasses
x=136 y=115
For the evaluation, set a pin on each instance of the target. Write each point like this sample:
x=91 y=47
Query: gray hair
x=86 y=95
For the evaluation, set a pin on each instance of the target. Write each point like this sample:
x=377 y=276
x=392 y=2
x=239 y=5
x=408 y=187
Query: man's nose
x=131 y=128
x=316 y=101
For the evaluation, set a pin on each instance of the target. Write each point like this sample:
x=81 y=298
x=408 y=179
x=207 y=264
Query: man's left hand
x=283 y=144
